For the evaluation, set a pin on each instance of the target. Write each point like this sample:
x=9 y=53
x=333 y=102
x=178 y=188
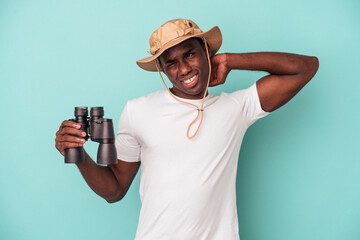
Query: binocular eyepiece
x=100 y=130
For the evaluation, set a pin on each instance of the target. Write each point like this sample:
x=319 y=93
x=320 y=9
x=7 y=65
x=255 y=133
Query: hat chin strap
x=200 y=111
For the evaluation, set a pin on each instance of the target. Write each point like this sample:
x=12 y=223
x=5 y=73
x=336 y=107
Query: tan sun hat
x=174 y=32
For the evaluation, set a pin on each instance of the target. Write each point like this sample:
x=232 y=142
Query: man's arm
x=110 y=182
x=288 y=74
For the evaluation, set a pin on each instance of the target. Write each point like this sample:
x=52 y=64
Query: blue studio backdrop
x=299 y=168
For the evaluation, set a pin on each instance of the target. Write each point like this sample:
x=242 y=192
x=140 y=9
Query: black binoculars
x=100 y=130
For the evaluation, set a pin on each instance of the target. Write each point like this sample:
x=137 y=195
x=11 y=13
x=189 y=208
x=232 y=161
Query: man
x=188 y=175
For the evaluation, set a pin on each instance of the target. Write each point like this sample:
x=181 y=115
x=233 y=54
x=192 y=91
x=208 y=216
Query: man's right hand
x=110 y=182
x=64 y=136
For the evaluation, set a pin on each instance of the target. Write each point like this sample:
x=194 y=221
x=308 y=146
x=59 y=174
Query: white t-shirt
x=187 y=186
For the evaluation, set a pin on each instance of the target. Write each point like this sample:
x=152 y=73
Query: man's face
x=187 y=68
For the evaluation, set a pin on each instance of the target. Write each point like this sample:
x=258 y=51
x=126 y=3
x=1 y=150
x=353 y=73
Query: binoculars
x=100 y=130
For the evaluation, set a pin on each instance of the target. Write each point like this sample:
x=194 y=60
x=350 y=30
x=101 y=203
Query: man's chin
x=195 y=95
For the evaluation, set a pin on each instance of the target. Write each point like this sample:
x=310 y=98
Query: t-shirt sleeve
x=127 y=145
x=249 y=102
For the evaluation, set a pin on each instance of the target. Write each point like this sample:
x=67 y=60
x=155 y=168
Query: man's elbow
x=310 y=68
x=313 y=65
x=115 y=195
x=114 y=199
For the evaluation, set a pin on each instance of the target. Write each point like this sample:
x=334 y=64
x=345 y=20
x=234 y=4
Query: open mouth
x=191 y=81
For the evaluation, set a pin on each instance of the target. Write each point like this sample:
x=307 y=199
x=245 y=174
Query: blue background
x=299 y=168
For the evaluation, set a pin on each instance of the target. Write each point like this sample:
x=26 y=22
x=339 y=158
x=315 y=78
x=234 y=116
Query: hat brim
x=213 y=38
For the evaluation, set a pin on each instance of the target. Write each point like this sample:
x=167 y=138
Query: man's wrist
x=226 y=61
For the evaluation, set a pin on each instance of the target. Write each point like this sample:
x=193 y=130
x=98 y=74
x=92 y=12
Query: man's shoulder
x=147 y=99
x=238 y=94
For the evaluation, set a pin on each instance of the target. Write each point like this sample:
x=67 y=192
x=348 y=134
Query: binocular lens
x=81 y=111
x=97 y=112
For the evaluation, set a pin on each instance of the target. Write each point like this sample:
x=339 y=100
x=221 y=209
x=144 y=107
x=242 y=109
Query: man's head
x=178 y=46
x=187 y=68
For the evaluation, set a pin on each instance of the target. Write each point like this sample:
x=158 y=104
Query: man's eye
x=170 y=65
x=190 y=54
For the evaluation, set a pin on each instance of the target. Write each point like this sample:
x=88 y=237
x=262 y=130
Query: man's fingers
x=71 y=130
x=64 y=136
x=213 y=80
x=59 y=148
x=68 y=123
x=66 y=126
x=68 y=141
x=69 y=138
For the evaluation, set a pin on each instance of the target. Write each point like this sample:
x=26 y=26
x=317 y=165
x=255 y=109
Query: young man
x=187 y=140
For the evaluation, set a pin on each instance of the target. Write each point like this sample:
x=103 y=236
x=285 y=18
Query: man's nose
x=185 y=68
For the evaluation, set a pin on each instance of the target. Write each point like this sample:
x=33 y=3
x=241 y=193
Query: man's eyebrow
x=170 y=60
x=188 y=51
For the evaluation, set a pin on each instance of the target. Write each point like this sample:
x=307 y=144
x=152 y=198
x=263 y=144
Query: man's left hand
x=219 y=70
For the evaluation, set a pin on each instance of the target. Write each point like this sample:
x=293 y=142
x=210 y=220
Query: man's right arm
x=110 y=182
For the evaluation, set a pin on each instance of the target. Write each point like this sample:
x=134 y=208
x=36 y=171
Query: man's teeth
x=190 y=79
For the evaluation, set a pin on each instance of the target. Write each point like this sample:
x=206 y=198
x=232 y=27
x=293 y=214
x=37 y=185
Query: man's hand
x=110 y=182
x=65 y=139
x=219 y=69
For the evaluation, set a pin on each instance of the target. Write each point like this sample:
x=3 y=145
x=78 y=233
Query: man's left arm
x=288 y=74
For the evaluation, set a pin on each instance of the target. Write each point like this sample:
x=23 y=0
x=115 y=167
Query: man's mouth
x=191 y=81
